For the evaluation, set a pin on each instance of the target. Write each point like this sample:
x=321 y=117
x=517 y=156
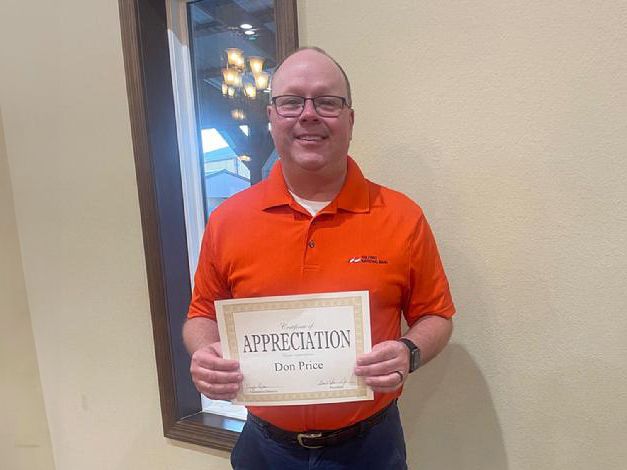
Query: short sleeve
x=428 y=291
x=209 y=283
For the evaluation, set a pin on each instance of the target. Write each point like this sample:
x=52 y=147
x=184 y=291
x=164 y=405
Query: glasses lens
x=328 y=105
x=289 y=105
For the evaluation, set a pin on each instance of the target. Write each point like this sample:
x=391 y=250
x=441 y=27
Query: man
x=317 y=225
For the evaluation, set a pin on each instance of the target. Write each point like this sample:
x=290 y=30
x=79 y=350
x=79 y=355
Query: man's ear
x=269 y=110
x=352 y=121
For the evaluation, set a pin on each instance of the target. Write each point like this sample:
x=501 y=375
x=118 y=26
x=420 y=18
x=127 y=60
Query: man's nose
x=309 y=111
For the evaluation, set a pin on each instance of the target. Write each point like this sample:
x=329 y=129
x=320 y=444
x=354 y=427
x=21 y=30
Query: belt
x=318 y=439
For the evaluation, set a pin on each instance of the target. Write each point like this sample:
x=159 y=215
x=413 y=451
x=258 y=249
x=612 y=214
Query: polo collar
x=353 y=197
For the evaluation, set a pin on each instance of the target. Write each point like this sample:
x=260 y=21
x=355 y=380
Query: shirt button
x=311 y=244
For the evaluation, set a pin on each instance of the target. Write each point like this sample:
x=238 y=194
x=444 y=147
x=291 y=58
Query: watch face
x=413 y=363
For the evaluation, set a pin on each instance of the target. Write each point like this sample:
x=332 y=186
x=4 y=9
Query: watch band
x=414 y=354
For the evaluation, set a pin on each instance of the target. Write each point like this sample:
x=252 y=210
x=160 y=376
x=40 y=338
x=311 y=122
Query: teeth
x=310 y=137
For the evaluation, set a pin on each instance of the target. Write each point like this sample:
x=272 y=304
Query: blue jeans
x=380 y=448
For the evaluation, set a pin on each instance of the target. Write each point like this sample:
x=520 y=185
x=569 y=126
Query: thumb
x=216 y=348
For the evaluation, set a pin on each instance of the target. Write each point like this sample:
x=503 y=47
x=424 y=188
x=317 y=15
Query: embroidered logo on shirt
x=368 y=259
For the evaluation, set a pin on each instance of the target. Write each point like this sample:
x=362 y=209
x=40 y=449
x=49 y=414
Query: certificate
x=297 y=349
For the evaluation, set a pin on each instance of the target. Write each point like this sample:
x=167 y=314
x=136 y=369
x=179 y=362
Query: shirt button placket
x=311 y=260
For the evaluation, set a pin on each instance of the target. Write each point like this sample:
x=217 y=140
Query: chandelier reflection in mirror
x=242 y=80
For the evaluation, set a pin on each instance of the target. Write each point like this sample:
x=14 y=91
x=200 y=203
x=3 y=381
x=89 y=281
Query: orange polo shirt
x=260 y=242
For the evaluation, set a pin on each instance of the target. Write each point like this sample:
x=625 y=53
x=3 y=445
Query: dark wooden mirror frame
x=153 y=127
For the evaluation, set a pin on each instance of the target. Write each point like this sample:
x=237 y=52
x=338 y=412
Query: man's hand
x=385 y=368
x=215 y=377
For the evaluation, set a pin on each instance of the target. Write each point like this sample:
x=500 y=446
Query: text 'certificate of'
x=297 y=349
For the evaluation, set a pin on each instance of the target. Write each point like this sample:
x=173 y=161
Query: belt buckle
x=308 y=435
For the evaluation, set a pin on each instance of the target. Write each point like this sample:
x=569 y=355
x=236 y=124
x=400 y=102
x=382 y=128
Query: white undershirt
x=313 y=207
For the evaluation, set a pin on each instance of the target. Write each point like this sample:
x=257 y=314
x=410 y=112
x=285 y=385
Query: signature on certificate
x=261 y=388
x=333 y=382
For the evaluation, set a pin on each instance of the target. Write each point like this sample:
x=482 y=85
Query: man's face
x=311 y=142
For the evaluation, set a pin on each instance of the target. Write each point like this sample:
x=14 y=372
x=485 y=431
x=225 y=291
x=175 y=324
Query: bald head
x=304 y=54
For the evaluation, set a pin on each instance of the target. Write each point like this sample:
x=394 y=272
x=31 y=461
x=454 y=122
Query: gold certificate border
x=361 y=391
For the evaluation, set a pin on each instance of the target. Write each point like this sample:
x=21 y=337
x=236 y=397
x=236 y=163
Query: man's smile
x=310 y=137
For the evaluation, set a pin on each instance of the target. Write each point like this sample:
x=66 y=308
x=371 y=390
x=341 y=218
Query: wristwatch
x=414 y=354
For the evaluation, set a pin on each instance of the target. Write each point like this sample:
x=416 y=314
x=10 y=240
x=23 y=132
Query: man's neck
x=315 y=185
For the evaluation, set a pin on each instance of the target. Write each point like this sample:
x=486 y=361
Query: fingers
x=382 y=352
x=384 y=358
x=379 y=367
x=215 y=377
x=218 y=391
x=211 y=358
x=385 y=383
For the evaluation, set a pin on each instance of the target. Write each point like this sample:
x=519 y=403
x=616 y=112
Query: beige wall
x=71 y=164
x=505 y=120
x=24 y=437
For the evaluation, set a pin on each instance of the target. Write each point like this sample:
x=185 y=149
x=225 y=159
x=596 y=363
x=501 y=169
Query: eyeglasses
x=293 y=106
